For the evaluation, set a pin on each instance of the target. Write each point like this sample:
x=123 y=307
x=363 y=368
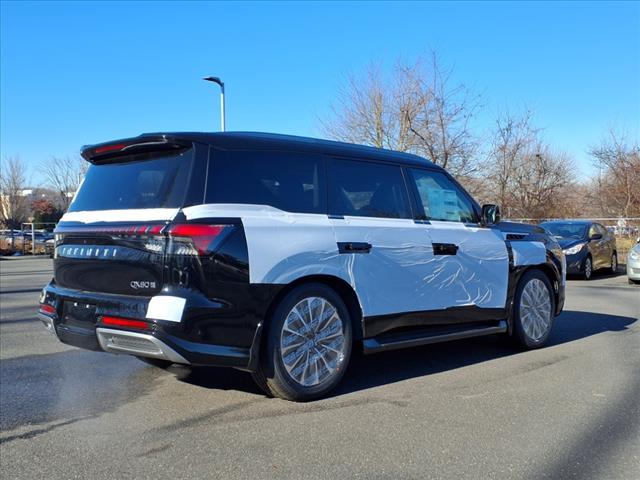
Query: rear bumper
x=162 y=340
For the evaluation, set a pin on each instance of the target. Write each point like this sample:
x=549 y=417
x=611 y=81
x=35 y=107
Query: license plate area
x=79 y=314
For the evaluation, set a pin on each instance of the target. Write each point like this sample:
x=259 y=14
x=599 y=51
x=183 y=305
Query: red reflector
x=201 y=235
x=151 y=229
x=110 y=148
x=48 y=309
x=125 y=322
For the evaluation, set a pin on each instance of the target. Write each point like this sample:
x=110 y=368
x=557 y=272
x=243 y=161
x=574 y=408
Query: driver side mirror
x=490 y=215
x=595 y=236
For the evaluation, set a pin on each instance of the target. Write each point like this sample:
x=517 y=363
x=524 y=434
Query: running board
x=382 y=344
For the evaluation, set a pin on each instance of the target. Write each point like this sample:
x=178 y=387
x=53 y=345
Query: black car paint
x=224 y=314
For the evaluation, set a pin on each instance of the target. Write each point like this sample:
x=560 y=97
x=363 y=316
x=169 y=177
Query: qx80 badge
x=138 y=284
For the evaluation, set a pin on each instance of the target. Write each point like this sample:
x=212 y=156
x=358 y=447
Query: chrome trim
x=48 y=323
x=164 y=352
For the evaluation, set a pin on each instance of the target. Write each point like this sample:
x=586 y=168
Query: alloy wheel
x=535 y=309
x=588 y=269
x=312 y=342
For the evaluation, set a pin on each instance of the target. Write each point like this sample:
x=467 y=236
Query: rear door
x=113 y=239
x=387 y=254
x=471 y=266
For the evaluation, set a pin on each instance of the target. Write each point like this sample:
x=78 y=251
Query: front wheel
x=587 y=270
x=308 y=344
x=614 y=263
x=534 y=308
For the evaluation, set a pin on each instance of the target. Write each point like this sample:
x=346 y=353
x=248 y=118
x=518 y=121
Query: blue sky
x=83 y=72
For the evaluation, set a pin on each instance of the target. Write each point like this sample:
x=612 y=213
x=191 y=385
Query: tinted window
x=287 y=181
x=141 y=181
x=442 y=199
x=367 y=190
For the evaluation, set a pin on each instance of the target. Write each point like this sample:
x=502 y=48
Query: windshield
x=140 y=181
x=566 y=230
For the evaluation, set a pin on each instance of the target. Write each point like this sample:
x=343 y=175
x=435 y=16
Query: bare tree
x=527 y=178
x=13 y=203
x=417 y=110
x=618 y=161
x=64 y=175
x=538 y=183
x=513 y=139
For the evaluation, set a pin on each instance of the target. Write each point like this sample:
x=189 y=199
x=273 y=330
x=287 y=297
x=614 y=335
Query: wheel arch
x=552 y=275
x=341 y=287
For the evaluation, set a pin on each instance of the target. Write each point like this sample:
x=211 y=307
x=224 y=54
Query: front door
x=471 y=268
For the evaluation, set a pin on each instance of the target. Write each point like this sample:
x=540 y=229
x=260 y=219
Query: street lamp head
x=214 y=80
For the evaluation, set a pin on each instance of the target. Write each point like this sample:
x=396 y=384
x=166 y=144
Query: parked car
x=278 y=255
x=633 y=263
x=588 y=246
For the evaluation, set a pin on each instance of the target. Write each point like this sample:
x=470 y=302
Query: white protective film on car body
x=528 y=253
x=125 y=215
x=400 y=274
x=166 y=307
x=478 y=274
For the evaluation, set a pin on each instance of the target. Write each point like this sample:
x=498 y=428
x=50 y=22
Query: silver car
x=633 y=263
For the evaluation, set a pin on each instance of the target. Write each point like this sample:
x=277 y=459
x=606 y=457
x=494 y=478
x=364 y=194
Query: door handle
x=354 y=247
x=445 y=249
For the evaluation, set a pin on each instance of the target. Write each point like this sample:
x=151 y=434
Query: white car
x=633 y=263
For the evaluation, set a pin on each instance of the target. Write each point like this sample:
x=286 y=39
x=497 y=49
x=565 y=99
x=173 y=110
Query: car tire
x=156 y=362
x=587 y=268
x=307 y=348
x=633 y=282
x=533 y=310
x=614 y=263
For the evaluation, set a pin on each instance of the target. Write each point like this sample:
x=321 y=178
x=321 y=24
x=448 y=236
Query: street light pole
x=221 y=83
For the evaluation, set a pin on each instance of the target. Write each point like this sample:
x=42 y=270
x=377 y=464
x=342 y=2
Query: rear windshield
x=140 y=181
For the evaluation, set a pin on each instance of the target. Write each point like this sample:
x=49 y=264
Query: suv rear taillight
x=196 y=239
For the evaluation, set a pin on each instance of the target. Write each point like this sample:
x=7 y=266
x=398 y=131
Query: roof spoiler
x=108 y=152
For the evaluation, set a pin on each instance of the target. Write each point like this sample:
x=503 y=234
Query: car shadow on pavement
x=368 y=371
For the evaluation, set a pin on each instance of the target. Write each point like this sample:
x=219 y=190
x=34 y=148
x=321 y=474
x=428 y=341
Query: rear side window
x=441 y=199
x=367 y=190
x=288 y=181
x=140 y=181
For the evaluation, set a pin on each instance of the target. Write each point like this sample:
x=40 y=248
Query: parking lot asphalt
x=470 y=409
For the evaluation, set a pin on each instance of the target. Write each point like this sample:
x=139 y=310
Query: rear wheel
x=308 y=344
x=614 y=263
x=587 y=269
x=534 y=309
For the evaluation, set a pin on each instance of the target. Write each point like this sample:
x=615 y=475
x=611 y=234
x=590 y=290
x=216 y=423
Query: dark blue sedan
x=588 y=246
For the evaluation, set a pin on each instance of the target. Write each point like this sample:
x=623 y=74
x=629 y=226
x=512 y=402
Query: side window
x=593 y=229
x=287 y=181
x=600 y=229
x=367 y=190
x=441 y=199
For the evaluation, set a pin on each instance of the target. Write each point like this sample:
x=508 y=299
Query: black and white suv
x=278 y=255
